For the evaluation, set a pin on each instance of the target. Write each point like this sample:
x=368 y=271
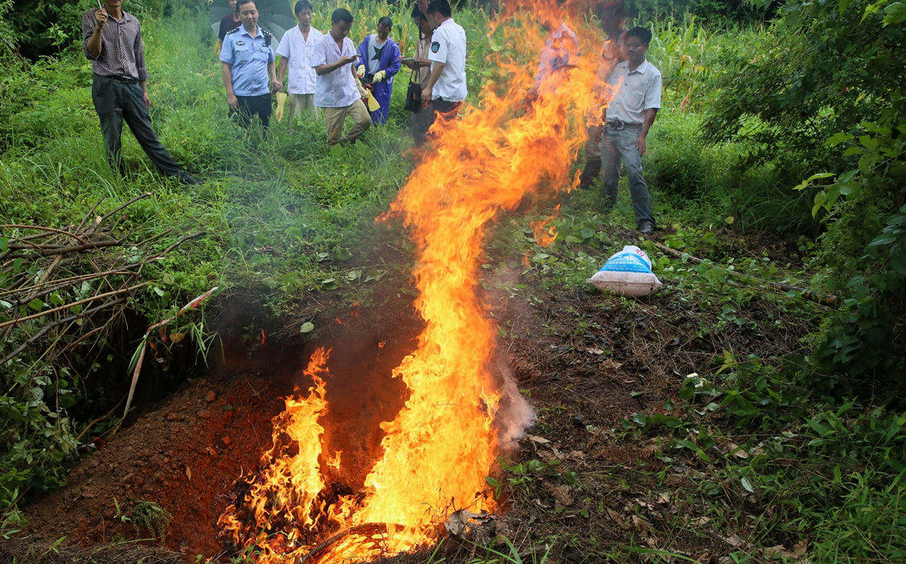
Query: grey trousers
x=116 y=101
x=619 y=146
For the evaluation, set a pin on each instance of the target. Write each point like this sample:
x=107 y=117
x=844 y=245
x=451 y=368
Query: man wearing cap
x=628 y=118
x=446 y=87
x=112 y=40
x=249 y=74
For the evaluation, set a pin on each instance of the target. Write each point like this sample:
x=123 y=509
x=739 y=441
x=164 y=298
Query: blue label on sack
x=626 y=262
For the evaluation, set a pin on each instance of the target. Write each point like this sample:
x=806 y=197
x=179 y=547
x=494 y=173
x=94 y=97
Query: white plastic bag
x=627 y=273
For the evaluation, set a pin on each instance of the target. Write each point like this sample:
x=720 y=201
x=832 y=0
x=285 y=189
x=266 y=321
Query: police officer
x=112 y=40
x=446 y=87
x=249 y=74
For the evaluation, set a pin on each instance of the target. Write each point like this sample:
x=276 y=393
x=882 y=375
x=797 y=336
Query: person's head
x=636 y=42
x=438 y=11
x=303 y=12
x=248 y=13
x=421 y=21
x=384 y=26
x=233 y=5
x=611 y=14
x=340 y=23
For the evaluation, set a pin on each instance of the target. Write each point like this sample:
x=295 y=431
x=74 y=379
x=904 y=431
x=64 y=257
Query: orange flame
x=443 y=442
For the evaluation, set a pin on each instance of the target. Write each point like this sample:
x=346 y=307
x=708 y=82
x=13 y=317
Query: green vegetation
x=789 y=132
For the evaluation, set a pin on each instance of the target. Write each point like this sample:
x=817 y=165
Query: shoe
x=187 y=180
x=646 y=227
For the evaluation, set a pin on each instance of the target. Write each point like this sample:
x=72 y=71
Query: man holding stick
x=112 y=40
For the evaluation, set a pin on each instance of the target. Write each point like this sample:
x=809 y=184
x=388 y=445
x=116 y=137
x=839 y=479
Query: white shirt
x=335 y=89
x=448 y=46
x=300 y=54
x=640 y=91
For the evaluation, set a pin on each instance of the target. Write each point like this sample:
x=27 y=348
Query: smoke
x=514 y=413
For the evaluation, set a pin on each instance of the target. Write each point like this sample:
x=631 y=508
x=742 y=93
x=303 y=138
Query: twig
x=73 y=304
x=127 y=204
x=63 y=282
x=99 y=419
x=811 y=295
x=50 y=326
x=76 y=249
x=40 y=228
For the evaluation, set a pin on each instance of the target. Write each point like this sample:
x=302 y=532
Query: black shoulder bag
x=413 y=93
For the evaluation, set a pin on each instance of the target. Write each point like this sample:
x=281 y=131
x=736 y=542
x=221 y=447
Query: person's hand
x=360 y=71
x=640 y=144
x=422 y=63
x=379 y=76
x=233 y=101
x=426 y=94
x=147 y=100
x=100 y=16
x=275 y=86
x=595 y=132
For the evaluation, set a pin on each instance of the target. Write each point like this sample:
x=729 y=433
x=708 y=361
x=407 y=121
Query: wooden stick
x=62 y=282
x=99 y=419
x=40 y=228
x=828 y=300
x=73 y=304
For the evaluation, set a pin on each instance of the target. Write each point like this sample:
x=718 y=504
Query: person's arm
x=281 y=71
x=650 y=114
x=429 y=86
x=93 y=43
x=272 y=74
x=394 y=65
x=232 y=100
x=321 y=70
x=139 y=49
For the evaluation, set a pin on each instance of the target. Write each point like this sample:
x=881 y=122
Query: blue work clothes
x=389 y=63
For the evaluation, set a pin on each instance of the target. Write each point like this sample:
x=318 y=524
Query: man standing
x=628 y=119
x=228 y=22
x=249 y=75
x=112 y=40
x=446 y=87
x=379 y=61
x=338 y=90
x=297 y=51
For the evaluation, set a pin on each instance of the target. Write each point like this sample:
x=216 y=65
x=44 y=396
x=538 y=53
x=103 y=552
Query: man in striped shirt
x=112 y=40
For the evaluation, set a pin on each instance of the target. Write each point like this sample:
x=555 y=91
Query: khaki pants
x=299 y=103
x=336 y=116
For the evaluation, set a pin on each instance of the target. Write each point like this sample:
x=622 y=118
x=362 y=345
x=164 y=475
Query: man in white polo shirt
x=446 y=86
x=297 y=51
x=629 y=117
x=337 y=89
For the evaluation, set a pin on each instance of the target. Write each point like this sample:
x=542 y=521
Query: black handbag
x=413 y=93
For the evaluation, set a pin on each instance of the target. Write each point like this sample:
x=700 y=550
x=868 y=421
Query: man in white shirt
x=628 y=118
x=296 y=50
x=446 y=87
x=337 y=88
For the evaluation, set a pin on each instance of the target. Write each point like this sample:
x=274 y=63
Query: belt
x=619 y=124
x=123 y=79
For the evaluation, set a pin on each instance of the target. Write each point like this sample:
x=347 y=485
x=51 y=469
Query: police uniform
x=448 y=46
x=249 y=58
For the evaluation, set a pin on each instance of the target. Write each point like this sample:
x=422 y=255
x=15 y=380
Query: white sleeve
x=283 y=47
x=440 y=47
x=319 y=56
x=653 y=93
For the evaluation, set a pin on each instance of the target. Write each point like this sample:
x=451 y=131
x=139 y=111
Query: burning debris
x=459 y=410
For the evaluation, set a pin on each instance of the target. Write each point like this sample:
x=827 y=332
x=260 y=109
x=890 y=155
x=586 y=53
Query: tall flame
x=444 y=441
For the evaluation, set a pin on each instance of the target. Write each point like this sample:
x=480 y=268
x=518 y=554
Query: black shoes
x=187 y=180
x=646 y=227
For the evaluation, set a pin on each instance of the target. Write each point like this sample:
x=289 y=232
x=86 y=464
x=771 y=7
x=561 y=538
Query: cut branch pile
x=63 y=288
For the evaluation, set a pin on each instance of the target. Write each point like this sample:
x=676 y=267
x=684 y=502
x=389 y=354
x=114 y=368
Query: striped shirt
x=122 y=52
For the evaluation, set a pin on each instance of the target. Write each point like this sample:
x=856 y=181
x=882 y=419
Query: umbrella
x=273 y=15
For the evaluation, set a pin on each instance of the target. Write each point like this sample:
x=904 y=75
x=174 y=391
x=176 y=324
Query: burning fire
x=445 y=440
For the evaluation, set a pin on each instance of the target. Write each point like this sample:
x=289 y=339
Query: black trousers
x=424 y=119
x=250 y=106
x=116 y=101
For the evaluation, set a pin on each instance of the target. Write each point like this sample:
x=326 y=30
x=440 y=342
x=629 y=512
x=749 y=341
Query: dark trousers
x=250 y=106
x=424 y=119
x=116 y=101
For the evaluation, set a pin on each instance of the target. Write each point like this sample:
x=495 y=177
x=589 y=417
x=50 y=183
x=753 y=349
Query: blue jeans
x=619 y=146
